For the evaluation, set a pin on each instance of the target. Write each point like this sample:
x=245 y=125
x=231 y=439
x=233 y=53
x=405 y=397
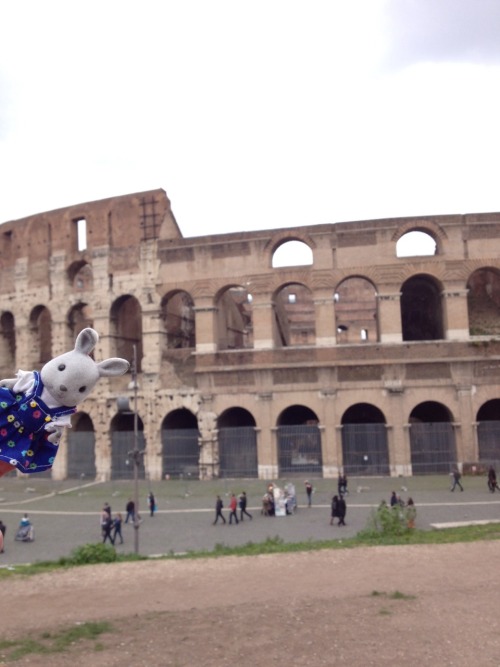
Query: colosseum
x=247 y=362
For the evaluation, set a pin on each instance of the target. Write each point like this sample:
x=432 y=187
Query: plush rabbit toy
x=35 y=407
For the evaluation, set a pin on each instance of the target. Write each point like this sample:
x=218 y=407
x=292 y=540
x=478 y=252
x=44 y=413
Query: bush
x=91 y=553
x=387 y=521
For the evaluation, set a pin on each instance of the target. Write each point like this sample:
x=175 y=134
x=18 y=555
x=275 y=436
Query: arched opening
x=7 y=342
x=237 y=444
x=421 y=309
x=80 y=277
x=432 y=439
x=488 y=432
x=234 y=319
x=81 y=447
x=79 y=317
x=177 y=312
x=483 y=302
x=416 y=243
x=180 y=445
x=294 y=316
x=299 y=442
x=356 y=311
x=292 y=253
x=40 y=334
x=364 y=441
x=126 y=329
x=123 y=443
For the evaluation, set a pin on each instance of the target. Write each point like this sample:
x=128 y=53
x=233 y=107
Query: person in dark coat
x=218 y=510
x=341 y=510
x=130 y=509
x=243 y=506
x=151 y=504
x=335 y=509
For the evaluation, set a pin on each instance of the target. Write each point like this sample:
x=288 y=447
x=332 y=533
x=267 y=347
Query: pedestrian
x=218 y=510
x=334 y=510
x=309 y=490
x=411 y=513
x=130 y=509
x=243 y=506
x=232 y=509
x=341 y=509
x=3 y=528
x=394 y=499
x=107 y=508
x=456 y=479
x=106 y=526
x=492 y=480
x=151 y=504
x=117 y=527
x=342 y=485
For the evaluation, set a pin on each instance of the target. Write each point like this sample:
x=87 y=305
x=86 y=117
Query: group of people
x=25 y=532
x=111 y=527
x=234 y=503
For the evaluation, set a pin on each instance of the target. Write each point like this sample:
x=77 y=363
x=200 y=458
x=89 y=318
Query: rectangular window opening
x=81 y=229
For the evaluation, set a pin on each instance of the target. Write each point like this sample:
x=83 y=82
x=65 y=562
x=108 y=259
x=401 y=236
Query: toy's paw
x=8 y=383
x=55 y=434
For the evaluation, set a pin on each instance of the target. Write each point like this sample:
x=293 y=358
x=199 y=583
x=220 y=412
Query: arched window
x=292 y=253
x=421 y=309
x=126 y=328
x=234 y=319
x=416 y=244
x=294 y=316
x=356 y=311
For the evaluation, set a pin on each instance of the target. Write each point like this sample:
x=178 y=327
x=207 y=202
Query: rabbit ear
x=113 y=366
x=86 y=341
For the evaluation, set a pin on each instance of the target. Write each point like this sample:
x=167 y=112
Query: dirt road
x=416 y=605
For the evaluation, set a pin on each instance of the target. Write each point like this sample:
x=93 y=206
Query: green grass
x=58 y=642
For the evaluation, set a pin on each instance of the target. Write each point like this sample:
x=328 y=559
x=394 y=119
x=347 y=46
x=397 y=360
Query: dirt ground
x=416 y=605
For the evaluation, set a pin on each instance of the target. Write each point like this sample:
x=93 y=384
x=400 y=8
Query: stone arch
x=81 y=276
x=81 y=447
x=483 y=302
x=356 y=315
x=488 y=432
x=180 y=444
x=292 y=252
x=234 y=318
x=79 y=317
x=40 y=336
x=237 y=441
x=294 y=316
x=299 y=442
x=126 y=328
x=177 y=314
x=422 y=309
x=433 y=229
x=432 y=438
x=123 y=443
x=7 y=341
x=365 y=450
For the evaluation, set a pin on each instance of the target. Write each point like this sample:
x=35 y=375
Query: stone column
x=326 y=335
x=389 y=317
x=455 y=314
x=263 y=322
x=465 y=432
x=206 y=325
x=329 y=435
x=267 y=449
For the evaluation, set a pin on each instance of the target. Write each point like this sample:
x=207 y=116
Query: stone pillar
x=389 y=317
x=326 y=335
x=206 y=325
x=455 y=314
x=465 y=432
x=267 y=448
x=102 y=451
x=330 y=436
x=398 y=440
x=263 y=322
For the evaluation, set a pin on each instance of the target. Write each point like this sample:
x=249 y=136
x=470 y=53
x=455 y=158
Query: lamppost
x=135 y=454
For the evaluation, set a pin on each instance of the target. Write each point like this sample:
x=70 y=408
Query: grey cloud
x=442 y=31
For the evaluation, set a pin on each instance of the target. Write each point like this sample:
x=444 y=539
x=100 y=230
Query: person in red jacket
x=233 y=505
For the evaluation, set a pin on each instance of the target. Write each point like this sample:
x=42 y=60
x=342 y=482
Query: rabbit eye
x=61 y=367
x=82 y=389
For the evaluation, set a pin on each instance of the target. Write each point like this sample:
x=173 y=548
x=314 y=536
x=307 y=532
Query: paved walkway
x=66 y=515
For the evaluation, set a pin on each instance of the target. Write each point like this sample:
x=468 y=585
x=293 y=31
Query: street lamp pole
x=136 y=454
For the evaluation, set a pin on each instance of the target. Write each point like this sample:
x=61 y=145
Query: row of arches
x=356 y=317
x=299 y=442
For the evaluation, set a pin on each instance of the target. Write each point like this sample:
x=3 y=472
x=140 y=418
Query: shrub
x=91 y=553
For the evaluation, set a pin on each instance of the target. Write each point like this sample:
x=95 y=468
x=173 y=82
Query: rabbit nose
x=63 y=388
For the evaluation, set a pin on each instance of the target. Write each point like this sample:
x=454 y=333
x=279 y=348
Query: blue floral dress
x=23 y=438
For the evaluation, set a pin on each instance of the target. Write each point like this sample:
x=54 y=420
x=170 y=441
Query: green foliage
x=386 y=523
x=91 y=553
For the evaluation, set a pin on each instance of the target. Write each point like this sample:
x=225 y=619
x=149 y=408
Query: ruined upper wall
x=119 y=224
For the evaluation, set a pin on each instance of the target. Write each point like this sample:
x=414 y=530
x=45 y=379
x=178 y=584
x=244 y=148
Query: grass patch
x=58 y=642
x=396 y=595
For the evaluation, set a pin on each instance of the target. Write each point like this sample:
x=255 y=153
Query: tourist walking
x=117 y=527
x=456 y=479
x=309 y=490
x=218 y=510
x=106 y=526
x=232 y=509
x=243 y=506
x=341 y=509
x=492 y=480
x=334 y=510
x=151 y=504
x=130 y=509
x=411 y=513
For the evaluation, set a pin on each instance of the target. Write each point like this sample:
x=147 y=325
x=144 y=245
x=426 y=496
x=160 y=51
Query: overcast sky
x=252 y=115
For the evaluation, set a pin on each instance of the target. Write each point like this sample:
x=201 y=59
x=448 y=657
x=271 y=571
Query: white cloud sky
x=255 y=115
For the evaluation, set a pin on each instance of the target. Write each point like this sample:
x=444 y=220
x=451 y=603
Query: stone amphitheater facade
x=357 y=359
